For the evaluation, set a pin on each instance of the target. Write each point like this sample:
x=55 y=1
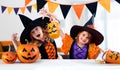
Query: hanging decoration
x=92 y=8
x=40 y=4
x=27 y=2
x=65 y=9
x=78 y=9
x=52 y=6
x=118 y=1
x=16 y=9
x=105 y=4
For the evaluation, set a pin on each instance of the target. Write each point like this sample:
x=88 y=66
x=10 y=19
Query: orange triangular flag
x=105 y=4
x=78 y=9
x=9 y=10
x=22 y=9
x=52 y=6
x=27 y=2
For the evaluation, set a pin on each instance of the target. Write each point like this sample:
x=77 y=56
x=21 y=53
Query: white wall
x=11 y=23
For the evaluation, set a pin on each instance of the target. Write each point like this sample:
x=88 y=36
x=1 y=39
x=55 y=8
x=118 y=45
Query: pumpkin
x=112 y=57
x=54 y=29
x=93 y=51
x=28 y=53
x=9 y=57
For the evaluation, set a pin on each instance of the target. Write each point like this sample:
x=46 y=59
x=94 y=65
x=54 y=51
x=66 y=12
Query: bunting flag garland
x=52 y=6
x=40 y=4
x=92 y=8
x=16 y=9
x=118 y=1
x=29 y=8
x=78 y=9
x=9 y=10
x=65 y=9
x=34 y=6
x=27 y=2
x=90 y=22
x=105 y=4
x=3 y=8
x=22 y=9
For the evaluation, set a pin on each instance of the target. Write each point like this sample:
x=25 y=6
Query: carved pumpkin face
x=112 y=57
x=53 y=29
x=9 y=57
x=27 y=53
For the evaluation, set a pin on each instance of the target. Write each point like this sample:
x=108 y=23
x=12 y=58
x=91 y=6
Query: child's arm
x=67 y=42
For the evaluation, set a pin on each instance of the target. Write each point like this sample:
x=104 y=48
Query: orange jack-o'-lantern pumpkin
x=53 y=29
x=112 y=57
x=28 y=53
x=9 y=57
x=93 y=51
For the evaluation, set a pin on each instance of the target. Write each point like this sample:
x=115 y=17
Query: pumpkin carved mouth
x=53 y=31
x=29 y=58
x=10 y=60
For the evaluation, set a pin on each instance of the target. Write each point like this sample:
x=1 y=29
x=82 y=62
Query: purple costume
x=77 y=52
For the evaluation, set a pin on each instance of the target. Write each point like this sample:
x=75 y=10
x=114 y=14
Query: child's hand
x=15 y=36
x=43 y=12
x=46 y=13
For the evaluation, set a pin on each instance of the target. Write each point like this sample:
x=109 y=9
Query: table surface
x=65 y=64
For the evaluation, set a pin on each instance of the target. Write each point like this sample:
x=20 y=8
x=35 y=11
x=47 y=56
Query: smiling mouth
x=38 y=35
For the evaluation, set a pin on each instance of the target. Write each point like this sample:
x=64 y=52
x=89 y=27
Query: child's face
x=83 y=38
x=37 y=33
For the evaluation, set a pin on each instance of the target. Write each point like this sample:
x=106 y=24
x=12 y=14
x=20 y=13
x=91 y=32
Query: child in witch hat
x=83 y=41
x=35 y=32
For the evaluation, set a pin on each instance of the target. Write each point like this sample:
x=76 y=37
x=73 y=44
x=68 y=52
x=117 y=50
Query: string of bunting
x=78 y=8
x=17 y=9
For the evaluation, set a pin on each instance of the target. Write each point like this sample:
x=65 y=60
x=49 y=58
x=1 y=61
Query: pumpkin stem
x=27 y=41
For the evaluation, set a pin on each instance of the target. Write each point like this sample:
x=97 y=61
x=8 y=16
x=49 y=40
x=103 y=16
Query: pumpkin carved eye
x=32 y=50
x=24 y=50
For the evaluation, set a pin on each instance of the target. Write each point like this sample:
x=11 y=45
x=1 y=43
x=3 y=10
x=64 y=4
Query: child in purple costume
x=77 y=44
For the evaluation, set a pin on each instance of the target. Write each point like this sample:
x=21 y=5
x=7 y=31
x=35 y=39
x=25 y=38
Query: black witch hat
x=29 y=25
x=97 y=37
